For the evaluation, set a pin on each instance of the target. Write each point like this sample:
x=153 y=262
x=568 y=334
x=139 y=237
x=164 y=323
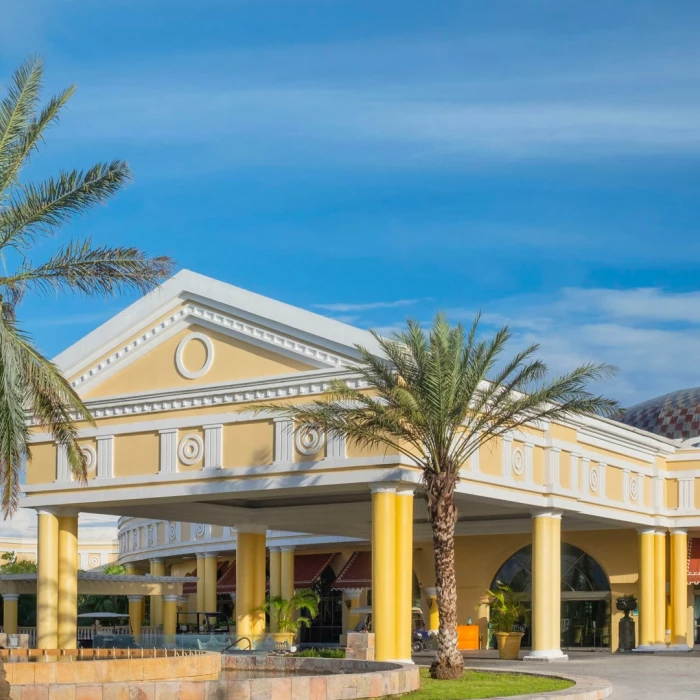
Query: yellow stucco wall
x=41 y=469
x=233 y=360
x=135 y=454
x=248 y=444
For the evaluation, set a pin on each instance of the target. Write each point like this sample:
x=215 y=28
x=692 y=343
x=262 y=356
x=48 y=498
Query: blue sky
x=537 y=160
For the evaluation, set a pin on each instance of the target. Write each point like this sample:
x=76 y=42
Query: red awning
x=694 y=560
x=309 y=567
x=227 y=580
x=191 y=586
x=357 y=573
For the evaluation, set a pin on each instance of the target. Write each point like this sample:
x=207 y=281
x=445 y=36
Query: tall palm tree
x=429 y=399
x=30 y=212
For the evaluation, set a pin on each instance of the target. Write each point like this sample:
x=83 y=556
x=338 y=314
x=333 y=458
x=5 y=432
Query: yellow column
x=250 y=583
x=679 y=590
x=47 y=582
x=157 y=569
x=433 y=615
x=9 y=612
x=210 y=581
x=201 y=586
x=275 y=580
x=404 y=574
x=135 y=606
x=169 y=614
x=352 y=596
x=259 y=583
x=647 y=600
x=384 y=572
x=287 y=572
x=68 y=582
x=546 y=586
x=660 y=589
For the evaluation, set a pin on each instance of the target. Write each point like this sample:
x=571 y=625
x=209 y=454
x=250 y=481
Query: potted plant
x=626 y=604
x=285 y=617
x=507 y=608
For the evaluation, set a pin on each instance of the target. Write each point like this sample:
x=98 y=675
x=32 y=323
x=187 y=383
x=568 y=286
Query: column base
x=679 y=647
x=646 y=649
x=547 y=656
x=401 y=661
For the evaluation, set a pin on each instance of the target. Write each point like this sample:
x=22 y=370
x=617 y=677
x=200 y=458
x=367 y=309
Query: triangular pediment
x=196 y=331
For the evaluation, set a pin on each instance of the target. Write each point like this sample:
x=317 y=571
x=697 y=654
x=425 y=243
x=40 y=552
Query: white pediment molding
x=228 y=324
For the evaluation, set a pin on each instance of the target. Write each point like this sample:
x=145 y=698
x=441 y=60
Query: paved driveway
x=634 y=677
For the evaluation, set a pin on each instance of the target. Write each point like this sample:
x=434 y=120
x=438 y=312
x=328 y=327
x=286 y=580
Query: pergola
x=133 y=586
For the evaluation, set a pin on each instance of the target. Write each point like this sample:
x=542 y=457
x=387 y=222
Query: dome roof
x=675 y=415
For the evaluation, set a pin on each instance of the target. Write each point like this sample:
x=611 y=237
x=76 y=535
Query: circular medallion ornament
x=518 y=462
x=94 y=560
x=633 y=489
x=172 y=531
x=190 y=449
x=309 y=440
x=180 y=363
x=199 y=530
x=90 y=457
x=593 y=479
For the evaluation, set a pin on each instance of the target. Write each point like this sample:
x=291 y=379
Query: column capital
x=135 y=598
x=10 y=596
x=646 y=530
x=383 y=487
x=211 y=555
x=405 y=489
x=430 y=591
x=288 y=548
x=660 y=531
x=352 y=593
x=251 y=529
x=156 y=560
x=547 y=513
x=170 y=598
x=275 y=550
x=678 y=531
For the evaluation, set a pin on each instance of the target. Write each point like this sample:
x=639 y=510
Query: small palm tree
x=284 y=613
x=507 y=607
x=29 y=213
x=429 y=399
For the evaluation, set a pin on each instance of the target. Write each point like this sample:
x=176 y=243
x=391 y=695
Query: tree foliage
x=31 y=213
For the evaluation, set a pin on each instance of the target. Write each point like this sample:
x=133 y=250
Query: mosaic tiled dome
x=675 y=415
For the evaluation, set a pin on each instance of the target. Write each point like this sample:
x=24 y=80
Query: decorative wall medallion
x=94 y=560
x=180 y=364
x=172 y=531
x=518 y=462
x=90 y=457
x=191 y=449
x=199 y=530
x=151 y=536
x=309 y=440
x=593 y=479
x=135 y=539
x=633 y=489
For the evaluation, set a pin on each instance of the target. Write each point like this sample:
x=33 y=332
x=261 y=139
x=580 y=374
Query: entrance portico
x=171 y=382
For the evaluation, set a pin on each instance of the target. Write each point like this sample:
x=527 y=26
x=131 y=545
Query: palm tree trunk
x=4 y=685
x=443 y=518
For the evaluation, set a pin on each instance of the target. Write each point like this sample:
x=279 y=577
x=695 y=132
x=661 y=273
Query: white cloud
x=90 y=527
x=651 y=335
x=368 y=306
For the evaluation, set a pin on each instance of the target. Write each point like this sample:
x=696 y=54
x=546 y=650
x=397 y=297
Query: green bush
x=322 y=653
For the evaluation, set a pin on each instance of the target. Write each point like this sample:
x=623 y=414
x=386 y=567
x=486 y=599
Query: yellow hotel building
x=593 y=508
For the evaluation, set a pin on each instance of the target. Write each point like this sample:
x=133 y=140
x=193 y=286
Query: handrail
x=234 y=643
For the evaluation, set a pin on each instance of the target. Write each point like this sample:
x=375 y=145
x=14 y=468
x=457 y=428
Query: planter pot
x=281 y=637
x=508 y=645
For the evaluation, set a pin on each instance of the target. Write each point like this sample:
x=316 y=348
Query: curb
x=585 y=688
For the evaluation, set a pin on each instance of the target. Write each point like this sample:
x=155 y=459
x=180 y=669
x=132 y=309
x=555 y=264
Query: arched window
x=580 y=572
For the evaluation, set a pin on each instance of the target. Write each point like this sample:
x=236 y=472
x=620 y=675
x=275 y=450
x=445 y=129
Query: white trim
x=180 y=362
x=190 y=449
x=213 y=446
x=309 y=440
x=105 y=456
x=168 y=451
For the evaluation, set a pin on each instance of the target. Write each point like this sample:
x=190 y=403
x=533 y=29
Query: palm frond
x=38 y=210
x=80 y=268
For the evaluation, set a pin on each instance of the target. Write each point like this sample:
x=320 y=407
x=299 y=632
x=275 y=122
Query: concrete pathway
x=633 y=676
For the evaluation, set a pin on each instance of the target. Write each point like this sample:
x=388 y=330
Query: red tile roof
x=693 y=560
x=357 y=573
x=309 y=567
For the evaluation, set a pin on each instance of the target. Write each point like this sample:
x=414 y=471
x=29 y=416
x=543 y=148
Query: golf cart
x=420 y=638
x=108 y=630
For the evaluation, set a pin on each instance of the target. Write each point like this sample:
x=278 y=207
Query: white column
x=336 y=447
x=62 y=467
x=213 y=447
x=284 y=440
x=574 y=479
x=506 y=455
x=168 y=450
x=551 y=465
x=105 y=457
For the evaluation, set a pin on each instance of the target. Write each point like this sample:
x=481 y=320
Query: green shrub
x=322 y=653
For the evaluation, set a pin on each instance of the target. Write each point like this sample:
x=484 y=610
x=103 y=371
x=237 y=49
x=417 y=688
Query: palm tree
x=428 y=398
x=30 y=384
x=284 y=614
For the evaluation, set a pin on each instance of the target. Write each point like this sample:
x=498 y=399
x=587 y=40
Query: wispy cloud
x=368 y=306
x=651 y=335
